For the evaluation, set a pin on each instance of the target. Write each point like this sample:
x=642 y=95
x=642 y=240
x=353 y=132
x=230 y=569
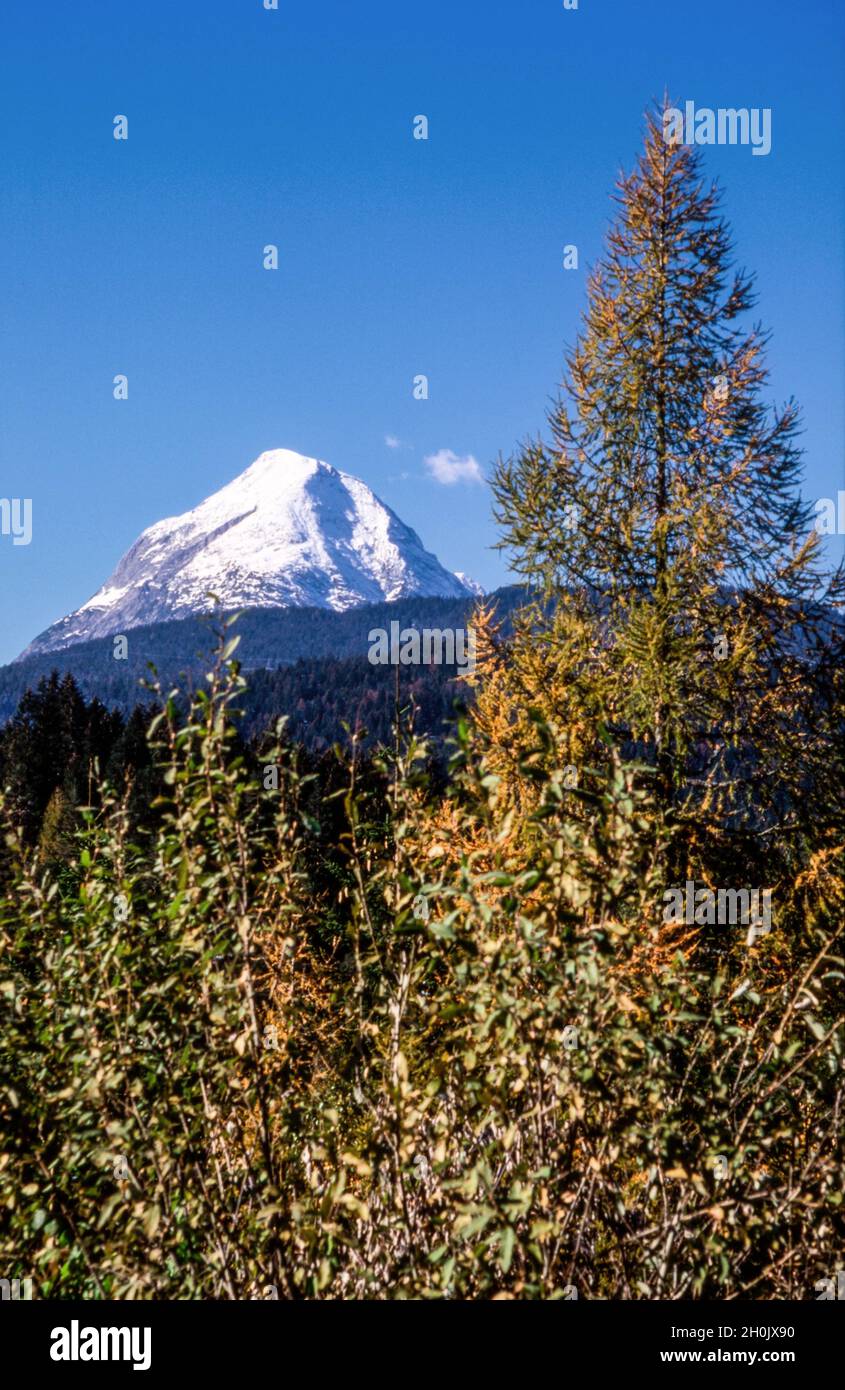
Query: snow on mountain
x=471 y=584
x=290 y=531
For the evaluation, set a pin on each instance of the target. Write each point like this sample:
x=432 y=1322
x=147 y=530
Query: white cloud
x=392 y=442
x=448 y=468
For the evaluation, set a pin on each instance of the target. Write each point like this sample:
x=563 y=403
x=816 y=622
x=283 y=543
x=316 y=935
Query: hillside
x=310 y=663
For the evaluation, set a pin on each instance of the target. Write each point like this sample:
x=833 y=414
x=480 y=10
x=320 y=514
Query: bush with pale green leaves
x=481 y=1070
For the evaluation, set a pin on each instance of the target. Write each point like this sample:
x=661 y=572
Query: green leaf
x=506 y=1244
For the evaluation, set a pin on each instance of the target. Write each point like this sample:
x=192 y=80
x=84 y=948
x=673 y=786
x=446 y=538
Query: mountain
x=290 y=531
x=471 y=584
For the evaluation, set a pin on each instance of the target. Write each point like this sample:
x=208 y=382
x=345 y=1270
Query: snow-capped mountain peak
x=290 y=531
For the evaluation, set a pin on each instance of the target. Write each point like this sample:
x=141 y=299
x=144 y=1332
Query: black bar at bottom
x=85 y=1341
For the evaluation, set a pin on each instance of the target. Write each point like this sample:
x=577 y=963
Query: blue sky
x=396 y=256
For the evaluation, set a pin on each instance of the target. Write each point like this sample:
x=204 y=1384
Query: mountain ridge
x=286 y=653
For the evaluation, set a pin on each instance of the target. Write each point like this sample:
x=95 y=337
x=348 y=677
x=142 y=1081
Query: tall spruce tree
x=690 y=614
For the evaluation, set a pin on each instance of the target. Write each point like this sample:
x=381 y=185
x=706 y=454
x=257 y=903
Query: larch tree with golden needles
x=681 y=607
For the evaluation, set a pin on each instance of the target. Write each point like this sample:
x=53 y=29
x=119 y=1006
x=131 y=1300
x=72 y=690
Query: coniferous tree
x=664 y=520
x=56 y=840
x=55 y=739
